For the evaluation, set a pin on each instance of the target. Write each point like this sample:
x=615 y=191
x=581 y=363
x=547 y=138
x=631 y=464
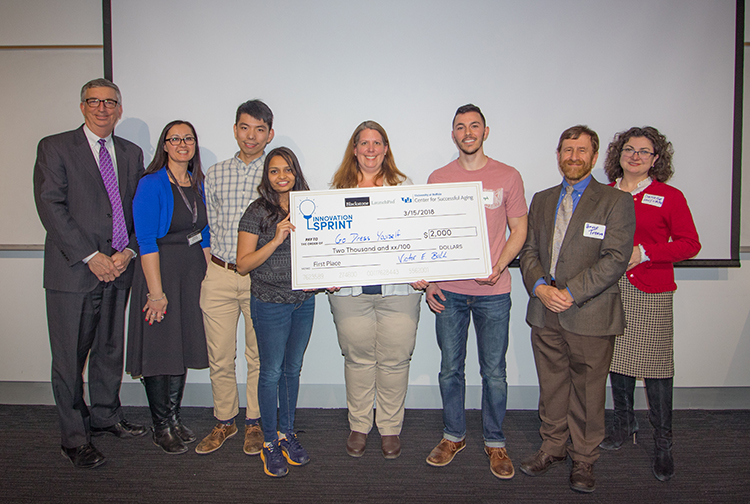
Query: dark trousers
x=86 y=325
x=572 y=371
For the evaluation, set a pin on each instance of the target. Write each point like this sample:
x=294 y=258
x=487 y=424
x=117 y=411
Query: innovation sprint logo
x=307 y=209
x=314 y=222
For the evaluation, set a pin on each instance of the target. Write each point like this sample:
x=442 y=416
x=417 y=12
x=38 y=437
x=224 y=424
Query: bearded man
x=579 y=241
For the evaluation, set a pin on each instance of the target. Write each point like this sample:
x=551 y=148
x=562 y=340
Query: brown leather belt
x=223 y=264
x=552 y=282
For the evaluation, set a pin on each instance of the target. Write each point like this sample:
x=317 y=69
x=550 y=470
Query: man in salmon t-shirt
x=487 y=300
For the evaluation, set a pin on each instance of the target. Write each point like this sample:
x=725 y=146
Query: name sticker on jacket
x=652 y=199
x=594 y=230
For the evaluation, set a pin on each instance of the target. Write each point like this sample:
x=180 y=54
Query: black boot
x=157 y=391
x=624 y=423
x=176 y=388
x=659 y=392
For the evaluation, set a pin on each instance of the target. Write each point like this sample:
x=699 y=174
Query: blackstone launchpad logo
x=357 y=202
x=307 y=208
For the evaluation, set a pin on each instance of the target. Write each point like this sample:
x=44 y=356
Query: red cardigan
x=667 y=233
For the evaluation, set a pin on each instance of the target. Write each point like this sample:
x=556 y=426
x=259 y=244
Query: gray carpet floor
x=712 y=465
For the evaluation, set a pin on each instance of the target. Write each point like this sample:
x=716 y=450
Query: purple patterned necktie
x=107 y=169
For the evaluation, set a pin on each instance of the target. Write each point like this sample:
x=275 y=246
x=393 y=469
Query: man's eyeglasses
x=94 y=103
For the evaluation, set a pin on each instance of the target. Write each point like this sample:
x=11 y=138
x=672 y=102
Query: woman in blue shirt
x=171 y=226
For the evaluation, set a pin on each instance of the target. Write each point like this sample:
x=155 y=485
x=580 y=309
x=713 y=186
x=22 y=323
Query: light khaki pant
x=224 y=295
x=377 y=337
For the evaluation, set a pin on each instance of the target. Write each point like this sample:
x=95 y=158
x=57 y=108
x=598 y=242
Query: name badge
x=492 y=199
x=594 y=230
x=652 y=199
x=488 y=197
x=194 y=237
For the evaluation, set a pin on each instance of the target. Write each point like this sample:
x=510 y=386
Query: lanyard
x=194 y=207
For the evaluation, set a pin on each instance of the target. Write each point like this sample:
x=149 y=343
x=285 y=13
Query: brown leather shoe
x=391 y=446
x=582 y=477
x=355 y=444
x=213 y=441
x=444 y=452
x=540 y=463
x=253 y=440
x=500 y=463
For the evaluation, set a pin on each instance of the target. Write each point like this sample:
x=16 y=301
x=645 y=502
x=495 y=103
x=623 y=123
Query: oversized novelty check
x=385 y=235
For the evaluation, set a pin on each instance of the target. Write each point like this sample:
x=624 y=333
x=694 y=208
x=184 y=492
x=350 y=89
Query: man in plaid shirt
x=230 y=188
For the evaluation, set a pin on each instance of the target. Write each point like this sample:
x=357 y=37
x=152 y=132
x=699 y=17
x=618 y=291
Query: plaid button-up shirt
x=230 y=188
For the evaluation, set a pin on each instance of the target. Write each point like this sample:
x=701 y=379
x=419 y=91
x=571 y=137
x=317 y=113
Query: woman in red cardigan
x=639 y=161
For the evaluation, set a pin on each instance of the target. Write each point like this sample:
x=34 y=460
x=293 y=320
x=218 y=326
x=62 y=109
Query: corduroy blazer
x=588 y=265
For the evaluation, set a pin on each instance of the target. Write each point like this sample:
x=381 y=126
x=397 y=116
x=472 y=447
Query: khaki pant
x=224 y=295
x=377 y=336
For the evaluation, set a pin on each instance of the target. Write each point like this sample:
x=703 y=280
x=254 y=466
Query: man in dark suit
x=84 y=181
x=579 y=241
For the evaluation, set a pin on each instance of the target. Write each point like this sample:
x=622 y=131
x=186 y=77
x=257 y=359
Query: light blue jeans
x=283 y=331
x=491 y=315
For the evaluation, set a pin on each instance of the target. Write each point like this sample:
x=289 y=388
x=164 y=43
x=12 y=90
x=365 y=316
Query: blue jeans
x=283 y=331
x=491 y=316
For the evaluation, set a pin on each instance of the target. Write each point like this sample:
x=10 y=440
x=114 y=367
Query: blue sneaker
x=293 y=451
x=273 y=461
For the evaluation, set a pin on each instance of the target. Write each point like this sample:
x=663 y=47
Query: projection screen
x=534 y=67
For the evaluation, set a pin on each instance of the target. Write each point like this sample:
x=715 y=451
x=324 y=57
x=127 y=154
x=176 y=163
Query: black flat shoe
x=122 y=429
x=84 y=456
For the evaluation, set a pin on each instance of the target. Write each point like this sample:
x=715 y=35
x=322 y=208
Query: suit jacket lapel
x=122 y=163
x=85 y=158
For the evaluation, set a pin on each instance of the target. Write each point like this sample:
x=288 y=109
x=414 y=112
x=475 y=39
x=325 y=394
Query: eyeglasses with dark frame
x=94 y=103
x=630 y=152
x=175 y=140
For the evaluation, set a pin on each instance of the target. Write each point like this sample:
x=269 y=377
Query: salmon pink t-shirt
x=508 y=201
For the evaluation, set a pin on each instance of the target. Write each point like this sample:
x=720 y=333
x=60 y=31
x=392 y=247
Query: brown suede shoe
x=582 y=477
x=355 y=444
x=213 y=441
x=540 y=463
x=253 y=440
x=391 y=446
x=500 y=463
x=444 y=452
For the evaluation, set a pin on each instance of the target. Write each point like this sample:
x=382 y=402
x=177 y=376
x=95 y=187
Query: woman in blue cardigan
x=171 y=226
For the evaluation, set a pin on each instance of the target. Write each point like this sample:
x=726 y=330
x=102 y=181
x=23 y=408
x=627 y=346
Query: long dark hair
x=161 y=157
x=269 y=199
x=662 y=169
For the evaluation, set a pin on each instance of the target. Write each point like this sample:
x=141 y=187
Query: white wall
x=535 y=67
x=38 y=88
